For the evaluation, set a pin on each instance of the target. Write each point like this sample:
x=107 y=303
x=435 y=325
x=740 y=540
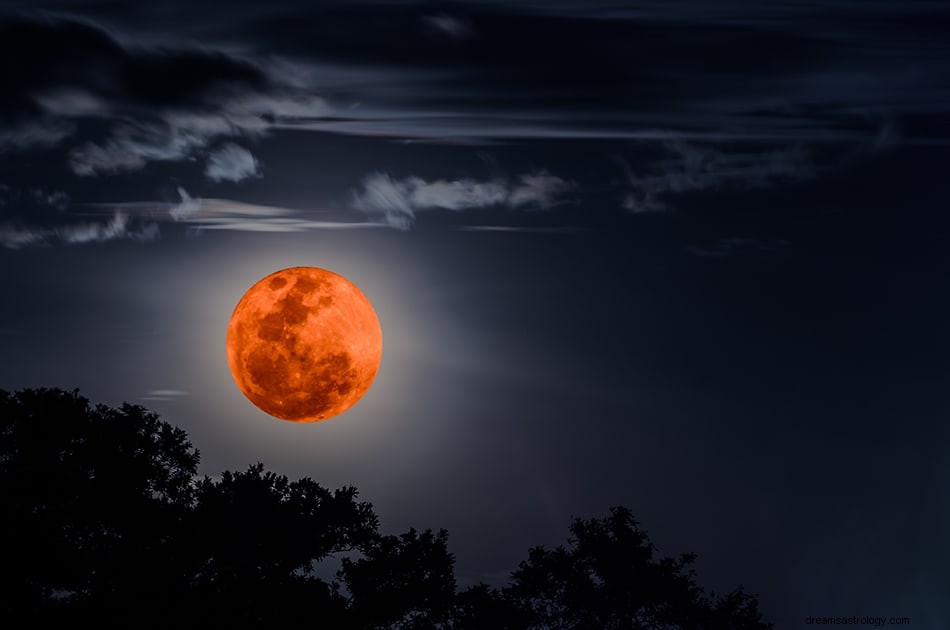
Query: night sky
x=686 y=257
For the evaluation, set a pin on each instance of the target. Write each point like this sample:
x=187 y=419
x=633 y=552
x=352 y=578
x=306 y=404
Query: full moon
x=304 y=344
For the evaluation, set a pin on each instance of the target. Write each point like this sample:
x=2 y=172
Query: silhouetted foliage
x=257 y=537
x=609 y=577
x=481 y=607
x=94 y=499
x=404 y=581
x=106 y=521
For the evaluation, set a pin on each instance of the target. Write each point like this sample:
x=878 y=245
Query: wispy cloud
x=180 y=135
x=227 y=214
x=386 y=202
x=433 y=75
x=397 y=201
x=186 y=209
x=151 y=104
x=450 y=26
x=232 y=163
x=539 y=189
x=30 y=200
x=17 y=236
x=34 y=217
x=737 y=246
x=519 y=228
x=165 y=395
x=694 y=167
x=120 y=226
x=282 y=225
x=43 y=132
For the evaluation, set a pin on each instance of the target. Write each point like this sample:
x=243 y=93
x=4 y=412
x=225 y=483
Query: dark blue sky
x=687 y=257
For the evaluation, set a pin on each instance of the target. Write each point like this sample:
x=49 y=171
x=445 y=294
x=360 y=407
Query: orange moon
x=304 y=344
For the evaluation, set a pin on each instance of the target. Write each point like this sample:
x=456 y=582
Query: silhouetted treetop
x=52 y=435
x=610 y=576
x=257 y=525
x=105 y=521
x=91 y=495
x=404 y=581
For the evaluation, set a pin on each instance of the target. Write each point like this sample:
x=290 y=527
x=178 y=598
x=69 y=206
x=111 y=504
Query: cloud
x=122 y=107
x=94 y=231
x=115 y=156
x=181 y=135
x=762 y=73
x=165 y=395
x=518 y=228
x=118 y=107
x=539 y=189
x=33 y=216
x=282 y=225
x=449 y=26
x=31 y=201
x=396 y=202
x=693 y=167
x=456 y=195
x=227 y=214
x=186 y=209
x=737 y=246
x=120 y=226
x=42 y=133
x=231 y=163
x=717 y=69
x=16 y=237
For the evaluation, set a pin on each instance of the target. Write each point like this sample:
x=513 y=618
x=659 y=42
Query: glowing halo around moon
x=304 y=344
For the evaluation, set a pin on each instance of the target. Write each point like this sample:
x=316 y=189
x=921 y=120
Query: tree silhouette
x=481 y=607
x=404 y=581
x=257 y=536
x=93 y=500
x=105 y=521
x=609 y=577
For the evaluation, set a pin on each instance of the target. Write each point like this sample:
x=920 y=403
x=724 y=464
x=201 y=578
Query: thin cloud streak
x=165 y=395
x=518 y=228
x=490 y=130
x=284 y=225
x=227 y=214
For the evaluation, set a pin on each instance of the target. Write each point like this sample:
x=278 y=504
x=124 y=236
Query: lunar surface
x=304 y=344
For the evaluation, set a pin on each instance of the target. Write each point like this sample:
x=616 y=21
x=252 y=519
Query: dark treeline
x=105 y=521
